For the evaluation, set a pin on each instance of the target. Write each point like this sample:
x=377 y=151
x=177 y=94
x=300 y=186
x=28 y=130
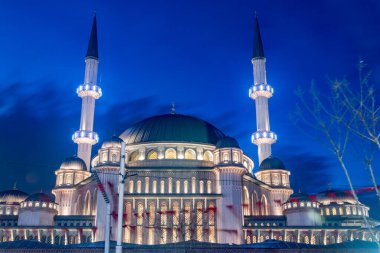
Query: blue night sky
x=195 y=53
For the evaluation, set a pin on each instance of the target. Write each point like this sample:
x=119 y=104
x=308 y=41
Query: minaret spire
x=258 y=49
x=89 y=91
x=92 y=50
x=261 y=91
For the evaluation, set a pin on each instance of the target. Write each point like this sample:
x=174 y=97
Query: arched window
x=170 y=185
x=104 y=157
x=152 y=155
x=306 y=239
x=170 y=153
x=207 y=156
x=151 y=220
x=199 y=221
x=354 y=210
x=87 y=204
x=187 y=221
x=190 y=154
x=193 y=185
x=139 y=227
x=313 y=241
x=162 y=187
x=175 y=222
x=178 y=186
x=235 y=157
x=327 y=211
x=154 y=186
x=201 y=187
x=225 y=157
x=255 y=204
x=146 y=184
x=348 y=210
x=209 y=186
x=264 y=206
x=246 y=201
x=185 y=186
x=128 y=221
x=340 y=210
x=114 y=159
x=131 y=186
x=334 y=211
x=164 y=218
x=134 y=156
x=138 y=186
x=211 y=222
x=60 y=179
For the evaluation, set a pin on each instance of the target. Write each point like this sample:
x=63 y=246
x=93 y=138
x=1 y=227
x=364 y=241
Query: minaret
x=260 y=92
x=89 y=91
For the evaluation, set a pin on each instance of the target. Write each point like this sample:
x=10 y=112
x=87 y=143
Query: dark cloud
x=310 y=172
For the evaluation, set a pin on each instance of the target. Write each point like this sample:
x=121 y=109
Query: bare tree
x=343 y=116
x=346 y=115
x=364 y=110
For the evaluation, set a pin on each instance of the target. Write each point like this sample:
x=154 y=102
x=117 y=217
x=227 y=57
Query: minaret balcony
x=89 y=90
x=264 y=137
x=83 y=136
x=261 y=90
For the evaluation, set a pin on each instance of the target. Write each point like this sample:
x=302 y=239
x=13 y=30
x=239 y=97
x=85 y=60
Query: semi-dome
x=114 y=142
x=73 y=163
x=172 y=128
x=13 y=196
x=272 y=163
x=227 y=142
x=41 y=197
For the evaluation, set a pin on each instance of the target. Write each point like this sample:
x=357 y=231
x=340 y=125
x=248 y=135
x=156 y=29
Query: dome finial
x=15 y=186
x=173 y=108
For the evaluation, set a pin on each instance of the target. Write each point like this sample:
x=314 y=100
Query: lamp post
x=108 y=214
x=122 y=175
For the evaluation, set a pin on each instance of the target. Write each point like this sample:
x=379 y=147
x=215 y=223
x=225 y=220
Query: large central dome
x=172 y=128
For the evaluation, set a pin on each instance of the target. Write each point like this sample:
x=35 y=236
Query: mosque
x=187 y=180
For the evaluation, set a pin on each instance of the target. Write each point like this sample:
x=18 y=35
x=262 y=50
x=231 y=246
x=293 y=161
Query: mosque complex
x=188 y=181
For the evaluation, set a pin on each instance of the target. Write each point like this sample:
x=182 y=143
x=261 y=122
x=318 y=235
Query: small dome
x=42 y=197
x=329 y=196
x=227 y=142
x=73 y=163
x=272 y=163
x=12 y=196
x=114 y=142
x=299 y=196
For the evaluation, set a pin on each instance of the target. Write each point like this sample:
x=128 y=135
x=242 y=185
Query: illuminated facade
x=187 y=180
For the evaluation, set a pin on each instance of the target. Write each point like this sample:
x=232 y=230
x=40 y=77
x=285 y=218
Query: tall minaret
x=89 y=91
x=260 y=92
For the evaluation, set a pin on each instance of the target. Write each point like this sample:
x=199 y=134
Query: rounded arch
x=78 y=207
x=190 y=154
x=207 y=156
x=152 y=155
x=170 y=153
x=255 y=204
x=134 y=156
x=87 y=204
x=264 y=205
x=246 y=207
